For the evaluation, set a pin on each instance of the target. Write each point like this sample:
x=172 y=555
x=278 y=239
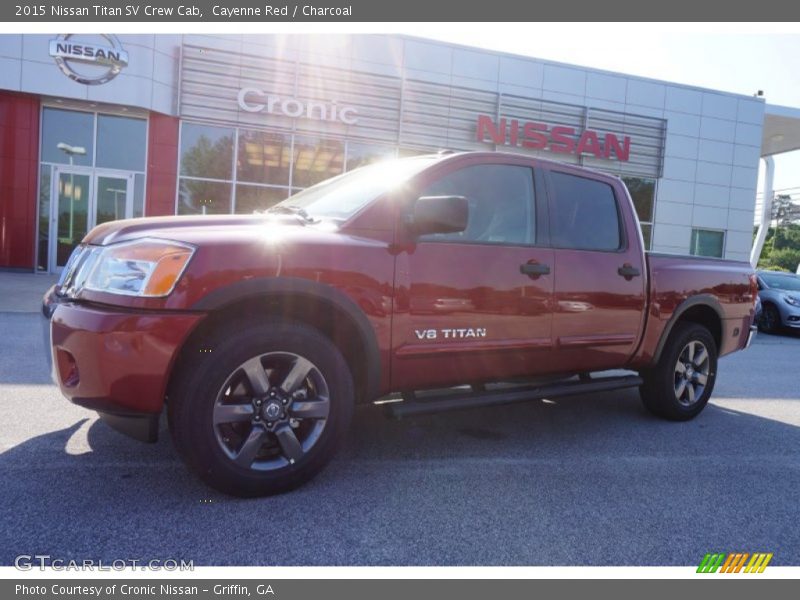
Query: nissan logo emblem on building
x=81 y=58
x=255 y=100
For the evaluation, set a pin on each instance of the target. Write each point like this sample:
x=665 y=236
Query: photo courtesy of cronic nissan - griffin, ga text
x=432 y=283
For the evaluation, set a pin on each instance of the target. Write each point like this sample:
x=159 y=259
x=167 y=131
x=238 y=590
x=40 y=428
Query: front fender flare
x=293 y=286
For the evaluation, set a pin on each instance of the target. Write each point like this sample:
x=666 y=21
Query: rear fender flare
x=698 y=300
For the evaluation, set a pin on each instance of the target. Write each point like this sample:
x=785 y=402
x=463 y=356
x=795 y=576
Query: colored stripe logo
x=735 y=562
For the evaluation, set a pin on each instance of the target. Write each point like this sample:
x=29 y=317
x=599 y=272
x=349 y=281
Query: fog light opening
x=67 y=368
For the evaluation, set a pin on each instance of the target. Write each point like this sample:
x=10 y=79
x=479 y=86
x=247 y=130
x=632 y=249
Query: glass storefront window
x=643 y=194
x=647 y=234
x=206 y=151
x=263 y=157
x=68 y=137
x=406 y=152
x=707 y=242
x=250 y=198
x=196 y=197
x=316 y=160
x=359 y=155
x=121 y=142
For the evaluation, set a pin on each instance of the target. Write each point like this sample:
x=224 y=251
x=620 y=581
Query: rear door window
x=584 y=214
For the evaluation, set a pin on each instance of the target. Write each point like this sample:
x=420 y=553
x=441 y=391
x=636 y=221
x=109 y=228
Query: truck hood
x=192 y=229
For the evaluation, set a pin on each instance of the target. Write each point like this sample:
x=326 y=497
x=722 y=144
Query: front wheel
x=262 y=407
x=770 y=319
x=679 y=385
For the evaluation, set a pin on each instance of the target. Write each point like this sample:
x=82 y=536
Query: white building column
x=766 y=210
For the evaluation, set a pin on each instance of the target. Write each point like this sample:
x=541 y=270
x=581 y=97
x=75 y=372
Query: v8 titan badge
x=464 y=332
x=90 y=59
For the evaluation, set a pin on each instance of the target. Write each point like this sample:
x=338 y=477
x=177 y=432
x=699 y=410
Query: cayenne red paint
x=118 y=354
x=19 y=167
x=581 y=317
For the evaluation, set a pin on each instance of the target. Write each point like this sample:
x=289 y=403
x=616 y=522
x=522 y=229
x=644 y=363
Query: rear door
x=600 y=277
x=475 y=305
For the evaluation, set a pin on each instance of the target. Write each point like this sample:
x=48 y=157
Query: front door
x=80 y=199
x=475 y=306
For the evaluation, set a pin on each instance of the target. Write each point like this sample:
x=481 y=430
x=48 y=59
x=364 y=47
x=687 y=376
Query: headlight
x=147 y=267
x=791 y=300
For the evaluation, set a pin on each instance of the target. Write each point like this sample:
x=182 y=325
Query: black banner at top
x=121 y=11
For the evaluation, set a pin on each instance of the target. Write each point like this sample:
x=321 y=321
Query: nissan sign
x=82 y=59
x=558 y=138
x=256 y=100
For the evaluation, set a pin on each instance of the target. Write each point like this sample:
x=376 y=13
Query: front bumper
x=790 y=316
x=113 y=360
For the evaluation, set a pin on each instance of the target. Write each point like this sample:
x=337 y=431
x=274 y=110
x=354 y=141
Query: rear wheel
x=679 y=385
x=770 y=320
x=263 y=410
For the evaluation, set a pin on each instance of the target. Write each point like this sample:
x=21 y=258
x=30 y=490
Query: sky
x=734 y=58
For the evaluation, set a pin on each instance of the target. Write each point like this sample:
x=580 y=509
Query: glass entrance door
x=72 y=213
x=81 y=199
x=114 y=197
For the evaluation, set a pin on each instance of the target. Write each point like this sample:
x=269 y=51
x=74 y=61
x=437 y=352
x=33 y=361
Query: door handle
x=628 y=272
x=534 y=269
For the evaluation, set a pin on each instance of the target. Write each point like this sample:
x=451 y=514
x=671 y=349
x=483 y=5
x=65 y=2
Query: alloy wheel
x=691 y=373
x=271 y=410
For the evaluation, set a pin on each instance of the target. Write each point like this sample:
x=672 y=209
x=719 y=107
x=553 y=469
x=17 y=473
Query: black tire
x=216 y=382
x=662 y=392
x=770 y=319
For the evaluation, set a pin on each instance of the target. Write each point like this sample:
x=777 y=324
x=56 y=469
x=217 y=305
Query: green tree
x=210 y=159
x=785 y=258
x=783 y=238
x=784 y=211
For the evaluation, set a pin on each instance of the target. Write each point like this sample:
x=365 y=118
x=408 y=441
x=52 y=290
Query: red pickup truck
x=438 y=282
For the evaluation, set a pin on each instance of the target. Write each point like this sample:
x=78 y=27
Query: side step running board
x=413 y=405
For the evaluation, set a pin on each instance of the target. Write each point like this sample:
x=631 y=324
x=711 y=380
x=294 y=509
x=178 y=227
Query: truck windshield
x=341 y=197
x=782 y=282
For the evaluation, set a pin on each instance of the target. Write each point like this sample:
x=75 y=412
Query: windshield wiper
x=291 y=209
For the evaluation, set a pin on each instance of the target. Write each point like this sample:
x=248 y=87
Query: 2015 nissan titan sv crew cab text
x=449 y=280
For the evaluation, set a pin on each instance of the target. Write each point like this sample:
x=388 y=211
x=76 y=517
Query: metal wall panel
x=401 y=111
x=211 y=80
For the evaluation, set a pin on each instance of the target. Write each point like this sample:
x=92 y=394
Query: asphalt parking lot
x=588 y=480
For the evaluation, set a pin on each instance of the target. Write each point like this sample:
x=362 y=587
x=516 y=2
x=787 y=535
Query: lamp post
x=71 y=151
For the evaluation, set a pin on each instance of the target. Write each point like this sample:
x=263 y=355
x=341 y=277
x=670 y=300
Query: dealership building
x=101 y=127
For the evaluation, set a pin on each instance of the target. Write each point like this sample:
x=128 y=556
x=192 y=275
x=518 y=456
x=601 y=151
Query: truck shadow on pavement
x=583 y=480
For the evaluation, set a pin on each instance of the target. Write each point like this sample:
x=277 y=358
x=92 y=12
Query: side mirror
x=439 y=214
